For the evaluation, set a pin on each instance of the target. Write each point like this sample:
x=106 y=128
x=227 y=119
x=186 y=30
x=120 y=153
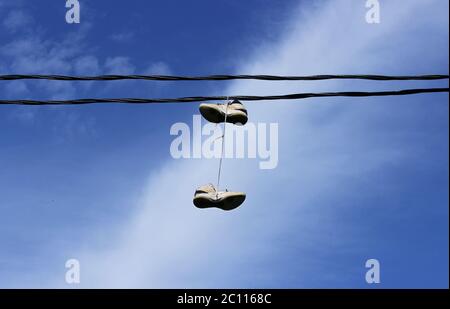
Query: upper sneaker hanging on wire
x=207 y=197
x=215 y=113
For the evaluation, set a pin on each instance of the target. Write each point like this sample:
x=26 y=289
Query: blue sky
x=356 y=179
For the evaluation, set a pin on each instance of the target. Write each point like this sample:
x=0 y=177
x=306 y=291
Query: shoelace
x=226 y=113
x=223 y=148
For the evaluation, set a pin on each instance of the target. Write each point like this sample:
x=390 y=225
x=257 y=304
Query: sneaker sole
x=226 y=204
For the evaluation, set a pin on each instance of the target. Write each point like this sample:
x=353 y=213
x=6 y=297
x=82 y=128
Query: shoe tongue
x=209 y=188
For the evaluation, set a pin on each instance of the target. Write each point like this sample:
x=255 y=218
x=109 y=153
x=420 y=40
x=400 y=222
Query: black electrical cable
x=219 y=77
x=294 y=96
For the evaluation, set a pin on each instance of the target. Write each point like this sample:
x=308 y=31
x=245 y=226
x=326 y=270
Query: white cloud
x=119 y=65
x=87 y=65
x=158 y=68
x=33 y=53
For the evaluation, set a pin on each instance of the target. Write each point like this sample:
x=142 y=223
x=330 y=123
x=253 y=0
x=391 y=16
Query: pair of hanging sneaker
x=208 y=196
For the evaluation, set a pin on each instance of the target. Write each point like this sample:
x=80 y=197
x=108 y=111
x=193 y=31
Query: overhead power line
x=220 y=77
x=294 y=96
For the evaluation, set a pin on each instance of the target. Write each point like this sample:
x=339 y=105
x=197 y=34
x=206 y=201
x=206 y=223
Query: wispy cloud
x=31 y=52
x=17 y=20
x=158 y=68
x=119 y=65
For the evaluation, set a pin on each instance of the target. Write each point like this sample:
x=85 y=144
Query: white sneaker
x=215 y=113
x=207 y=197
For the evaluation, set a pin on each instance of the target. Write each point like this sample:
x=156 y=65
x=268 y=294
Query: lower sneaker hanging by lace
x=208 y=197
